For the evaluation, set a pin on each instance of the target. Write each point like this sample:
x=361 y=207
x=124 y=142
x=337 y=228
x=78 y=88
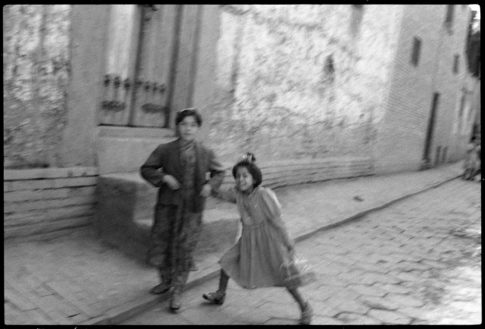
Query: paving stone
x=250 y=318
x=14 y=316
x=249 y=315
x=340 y=252
x=272 y=297
x=356 y=319
x=204 y=316
x=406 y=276
x=79 y=304
x=42 y=291
x=388 y=317
x=48 y=305
x=433 y=264
x=325 y=280
x=351 y=276
x=323 y=320
x=333 y=269
x=369 y=290
x=57 y=309
x=407 y=266
x=353 y=306
x=154 y=319
x=373 y=259
x=371 y=278
x=413 y=312
x=31 y=281
x=404 y=300
x=324 y=308
x=37 y=317
x=281 y=310
x=466 y=294
x=171 y=318
x=280 y=321
x=346 y=295
x=325 y=292
x=378 y=303
x=381 y=267
x=18 y=299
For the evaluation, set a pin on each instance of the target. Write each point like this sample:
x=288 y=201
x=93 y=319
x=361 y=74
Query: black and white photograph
x=242 y=164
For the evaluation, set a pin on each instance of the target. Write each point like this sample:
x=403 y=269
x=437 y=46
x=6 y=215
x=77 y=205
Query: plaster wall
x=301 y=82
x=36 y=73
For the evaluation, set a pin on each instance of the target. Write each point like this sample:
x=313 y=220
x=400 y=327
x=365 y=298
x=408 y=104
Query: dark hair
x=182 y=114
x=248 y=162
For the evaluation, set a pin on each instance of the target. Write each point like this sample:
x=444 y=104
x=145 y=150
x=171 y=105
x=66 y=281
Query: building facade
x=375 y=88
x=432 y=95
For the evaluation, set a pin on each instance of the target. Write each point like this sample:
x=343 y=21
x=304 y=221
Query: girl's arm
x=227 y=194
x=272 y=208
x=216 y=172
x=151 y=170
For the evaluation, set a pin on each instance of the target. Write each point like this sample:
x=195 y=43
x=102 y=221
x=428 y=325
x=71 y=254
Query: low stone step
x=219 y=231
x=126 y=202
x=124 y=216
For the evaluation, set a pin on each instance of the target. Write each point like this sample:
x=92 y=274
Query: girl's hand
x=291 y=249
x=171 y=182
x=206 y=190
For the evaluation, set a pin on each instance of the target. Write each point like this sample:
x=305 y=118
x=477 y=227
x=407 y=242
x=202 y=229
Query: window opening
x=416 y=51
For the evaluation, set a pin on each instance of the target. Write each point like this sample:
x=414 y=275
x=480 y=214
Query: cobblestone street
x=126 y=123
x=415 y=262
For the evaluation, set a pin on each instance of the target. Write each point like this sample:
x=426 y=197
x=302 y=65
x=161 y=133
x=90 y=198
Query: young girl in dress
x=257 y=259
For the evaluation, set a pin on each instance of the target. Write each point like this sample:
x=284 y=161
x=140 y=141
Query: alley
x=415 y=262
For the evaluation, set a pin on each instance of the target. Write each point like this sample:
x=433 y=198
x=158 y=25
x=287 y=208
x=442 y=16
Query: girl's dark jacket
x=165 y=160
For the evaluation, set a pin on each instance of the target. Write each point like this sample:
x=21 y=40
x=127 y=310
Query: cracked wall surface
x=35 y=76
x=291 y=82
x=306 y=81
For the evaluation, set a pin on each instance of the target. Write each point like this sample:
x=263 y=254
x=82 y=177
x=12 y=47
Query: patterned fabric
x=257 y=257
x=188 y=162
x=174 y=237
x=176 y=229
x=165 y=160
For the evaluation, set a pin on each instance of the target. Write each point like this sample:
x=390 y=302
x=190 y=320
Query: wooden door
x=141 y=50
x=154 y=67
x=121 y=54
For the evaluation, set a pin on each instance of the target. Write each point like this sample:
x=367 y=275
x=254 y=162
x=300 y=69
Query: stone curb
x=48 y=173
x=122 y=313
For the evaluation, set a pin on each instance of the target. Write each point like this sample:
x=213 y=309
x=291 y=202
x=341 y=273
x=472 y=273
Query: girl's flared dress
x=256 y=258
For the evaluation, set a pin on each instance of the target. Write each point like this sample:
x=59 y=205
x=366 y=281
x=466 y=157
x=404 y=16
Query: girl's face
x=188 y=128
x=244 y=180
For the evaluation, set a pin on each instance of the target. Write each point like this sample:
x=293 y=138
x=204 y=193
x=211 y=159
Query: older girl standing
x=179 y=169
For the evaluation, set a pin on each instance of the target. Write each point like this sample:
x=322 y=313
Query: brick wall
x=451 y=85
x=401 y=137
x=47 y=200
x=462 y=125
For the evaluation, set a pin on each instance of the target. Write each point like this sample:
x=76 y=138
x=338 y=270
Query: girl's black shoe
x=306 y=315
x=215 y=297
